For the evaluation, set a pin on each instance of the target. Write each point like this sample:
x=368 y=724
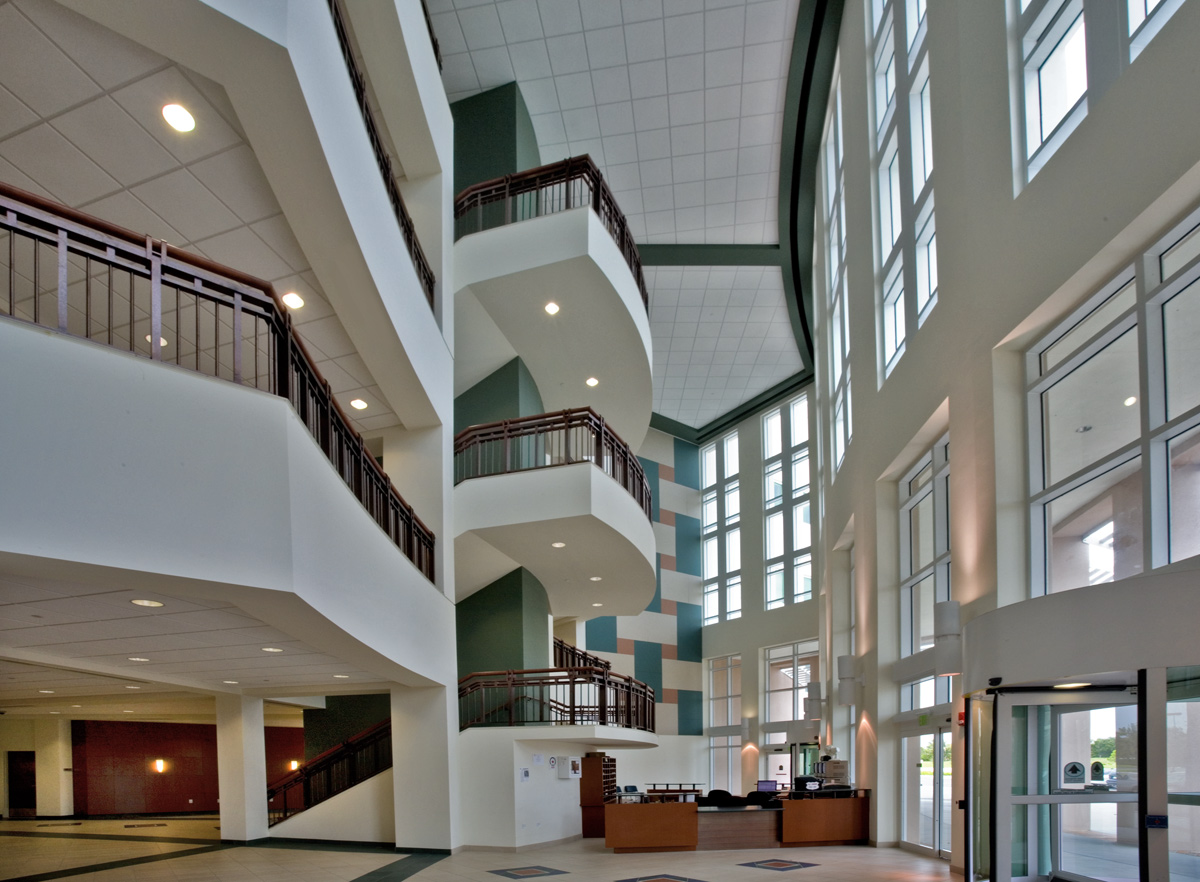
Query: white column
x=55 y=780
x=425 y=770
x=241 y=768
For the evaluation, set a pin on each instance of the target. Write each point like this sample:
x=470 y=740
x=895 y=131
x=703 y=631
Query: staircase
x=336 y=770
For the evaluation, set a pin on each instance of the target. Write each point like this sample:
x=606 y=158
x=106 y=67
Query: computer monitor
x=768 y=786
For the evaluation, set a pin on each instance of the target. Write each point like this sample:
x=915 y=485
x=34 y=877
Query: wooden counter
x=826 y=821
x=650 y=826
x=748 y=827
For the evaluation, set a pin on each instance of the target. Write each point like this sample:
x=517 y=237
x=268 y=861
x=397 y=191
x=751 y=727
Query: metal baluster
x=155 y=299
x=62 y=280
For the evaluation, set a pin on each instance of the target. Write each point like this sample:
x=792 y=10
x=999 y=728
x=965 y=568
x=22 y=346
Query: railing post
x=237 y=337
x=567 y=433
x=507 y=199
x=283 y=356
x=602 y=710
x=155 y=301
x=62 y=280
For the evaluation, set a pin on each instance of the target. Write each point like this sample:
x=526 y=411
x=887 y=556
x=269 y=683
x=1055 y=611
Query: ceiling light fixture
x=178 y=118
x=292 y=300
x=137 y=658
x=154 y=603
x=1131 y=401
x=592 y=381
x=595 y=578
x=1071 y=685
x=552 y=308
x=230 y=682
x=341 y=676
x=597 y=604
x=77 y=705
x=56 y=712
x=558 y=544
x=271 y=649
x=46 y=691
x=126 y=711
x=162 y=341
x=358 y=404
x=133 y=687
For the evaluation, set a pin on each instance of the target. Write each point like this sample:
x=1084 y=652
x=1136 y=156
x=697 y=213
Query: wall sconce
x=160 y=765
x=814 y=706
x=294 y=764
x=848 y=680
x=947 y=639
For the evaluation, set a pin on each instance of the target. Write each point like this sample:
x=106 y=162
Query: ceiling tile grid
x=721 y=336
x=80 y=124
x=680 y=102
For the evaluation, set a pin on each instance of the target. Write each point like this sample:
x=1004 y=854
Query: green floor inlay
x=113 y=865
x=402 y=869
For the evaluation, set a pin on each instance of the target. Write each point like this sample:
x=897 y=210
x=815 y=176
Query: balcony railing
x=548 y=440
x=568 y=656
x=560 y=186
x=338 y=769
x=382 y=158
x=79 y=275
x=555 y=697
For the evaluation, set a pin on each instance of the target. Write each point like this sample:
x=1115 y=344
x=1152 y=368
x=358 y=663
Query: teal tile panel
x=687 y=632
x=601 y=634
x=647 y=665
x=687 y=545
x=691 y=712
x=687 y=464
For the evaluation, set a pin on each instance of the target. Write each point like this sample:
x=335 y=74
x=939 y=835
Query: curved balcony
x=81 y=276
x=563 y=496
x=554 y=233
x=588 y=696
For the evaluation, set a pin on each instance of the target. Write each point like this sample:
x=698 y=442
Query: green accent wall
x=601 y=634
x=493 y=136
x=343 y=717
x=505 y=626
x=508 y=393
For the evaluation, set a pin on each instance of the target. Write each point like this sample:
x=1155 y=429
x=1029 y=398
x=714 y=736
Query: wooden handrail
x=547 y=440
x=559 y=186
x=568 y=656
x=101 y=268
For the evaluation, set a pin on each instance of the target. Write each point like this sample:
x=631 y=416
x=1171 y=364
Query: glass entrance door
x=928 y=794
x=1067 y=783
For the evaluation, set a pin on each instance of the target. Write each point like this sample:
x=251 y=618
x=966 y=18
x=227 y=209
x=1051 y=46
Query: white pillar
x=241 y=768
x=425 y=767
x=55 y=780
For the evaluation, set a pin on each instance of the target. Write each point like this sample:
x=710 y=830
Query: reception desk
x=823 y=818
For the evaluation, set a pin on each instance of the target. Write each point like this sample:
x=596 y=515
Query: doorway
x=927 y=791
x=22 y=784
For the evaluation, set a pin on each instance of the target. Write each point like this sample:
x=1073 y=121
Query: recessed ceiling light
x=126 y=711
x=271 y=649
x=558 y=544
x=46 y=691
x=137 y=658
x=552 y=308
x=595 y=578
x=77 y=705
x=597 y=604
x=1071 y=685
x=230 y=682
x=341 y=676
x=358 y=404
x=1131 y=401
x=56 y=712
x=292 y=300
x=592 y=381
x=154 y=603
x=133 y=687
x=162 y=341
x=178 y=118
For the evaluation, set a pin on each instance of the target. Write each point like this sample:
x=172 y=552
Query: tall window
x=725 y=721
x=924 y=564
x=788 y=671
x=721 y=539
x=832 y=221
x=906 y=260
x=787 y=524
x=1114 y=413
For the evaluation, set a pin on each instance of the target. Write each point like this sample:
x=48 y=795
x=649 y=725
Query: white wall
x=678 y=758
x=364 y=813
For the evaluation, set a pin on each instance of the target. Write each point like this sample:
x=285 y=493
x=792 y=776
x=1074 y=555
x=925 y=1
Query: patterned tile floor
x=189 y=850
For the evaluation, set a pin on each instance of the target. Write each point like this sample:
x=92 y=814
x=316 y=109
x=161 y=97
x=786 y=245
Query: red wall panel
x=114 y=765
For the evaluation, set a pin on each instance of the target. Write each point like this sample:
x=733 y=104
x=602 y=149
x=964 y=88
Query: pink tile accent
x=669 y=651
x=624 y=646
x=666 y=472
x=668 y=607
x=668 y=561
x=670 y=696
x=666 y=517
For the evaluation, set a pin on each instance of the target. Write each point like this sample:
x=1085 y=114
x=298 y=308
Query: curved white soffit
x=1138 y=622
x=601 y=329
x=604 y=531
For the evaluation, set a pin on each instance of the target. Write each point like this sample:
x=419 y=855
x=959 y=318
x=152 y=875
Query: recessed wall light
x=46 y=691
x=341 y=676
x=1131 y=401
x=137 y=658
x=292 y=300
x=294 y=764
x=1071 y=685
x=597 y=604
x=592 y=381
x=230 y=682
x=558 y=544
x=271 y=649
x=358 y=404
x=552 y=308
x=155 y=603
x=162 y=341
x=160 y=766
x=178 y=118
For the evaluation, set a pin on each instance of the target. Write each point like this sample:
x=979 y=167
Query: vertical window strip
x=787 y=530
x=721 y=552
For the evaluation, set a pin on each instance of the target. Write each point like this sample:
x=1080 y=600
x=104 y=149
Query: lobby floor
x=189 y=850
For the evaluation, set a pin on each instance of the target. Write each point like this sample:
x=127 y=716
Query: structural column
x=55 y=780
x=241 y=768
x=425 y=767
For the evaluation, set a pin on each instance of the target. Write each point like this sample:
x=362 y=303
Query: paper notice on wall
x=523 y=777
x=539 y=759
